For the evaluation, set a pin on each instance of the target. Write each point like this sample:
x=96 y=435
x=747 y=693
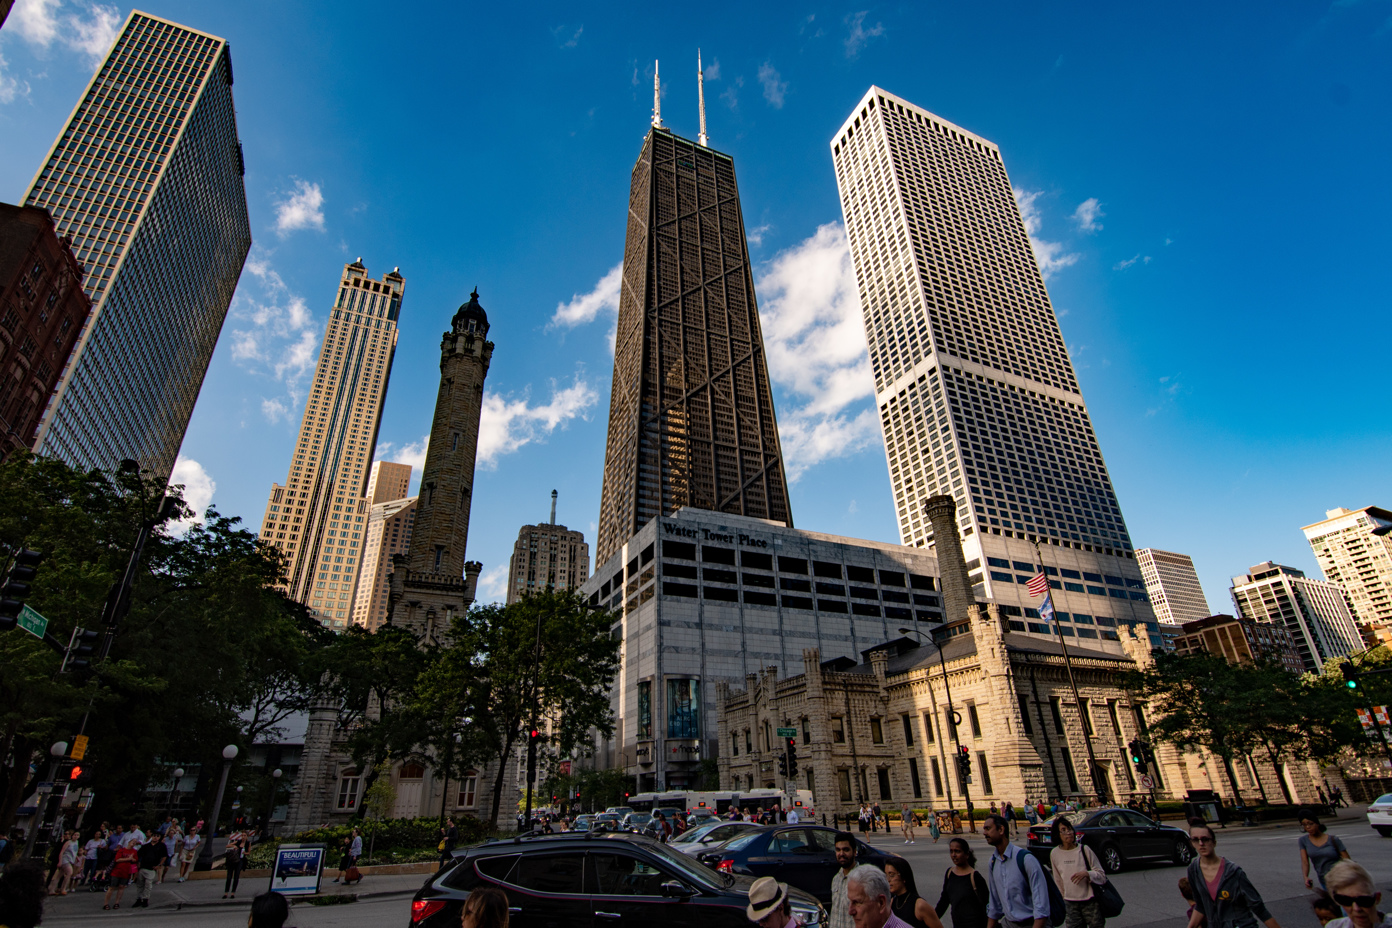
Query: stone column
x=952 y=566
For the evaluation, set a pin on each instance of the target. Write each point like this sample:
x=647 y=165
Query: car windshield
x=1077 y=819
x=1384 y=799
x=736 y=844
x=639 y=818
x=696 y=834
x=689 y=868
x=606 y=817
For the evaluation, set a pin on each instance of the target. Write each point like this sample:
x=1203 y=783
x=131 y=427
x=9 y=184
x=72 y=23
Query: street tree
x=548 y=656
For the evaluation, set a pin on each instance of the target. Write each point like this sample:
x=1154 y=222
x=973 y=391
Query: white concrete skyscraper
x=318 y=518
x=1173 y=586
x=1314 y=612
x=1351 y=555
x=145 y=179
x=976 y=393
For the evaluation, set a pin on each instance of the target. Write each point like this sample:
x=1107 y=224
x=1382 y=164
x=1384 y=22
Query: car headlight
x=808 y=913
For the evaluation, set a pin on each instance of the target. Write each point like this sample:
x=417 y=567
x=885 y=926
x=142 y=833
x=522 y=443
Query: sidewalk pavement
x=208 y=892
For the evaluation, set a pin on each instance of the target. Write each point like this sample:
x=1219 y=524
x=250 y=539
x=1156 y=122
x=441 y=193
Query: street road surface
x=1268 y=854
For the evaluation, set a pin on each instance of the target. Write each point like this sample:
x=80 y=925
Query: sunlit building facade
x=145 y=180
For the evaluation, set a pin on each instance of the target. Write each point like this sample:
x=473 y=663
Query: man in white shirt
x=793 y=817
x=134 y=838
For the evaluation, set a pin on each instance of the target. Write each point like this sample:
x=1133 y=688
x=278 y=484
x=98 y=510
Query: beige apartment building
x=547 y=557
x=390 y=516
x=1351 y=555
x=318 y=517
x=1172 y=585
x=389 y=527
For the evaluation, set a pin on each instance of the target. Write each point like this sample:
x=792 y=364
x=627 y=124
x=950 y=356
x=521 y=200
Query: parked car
x=620 y=811
x=1118 y=837
x=619 y=880
x=1380 y=815
x=706 y=836
x=799 y=855
x=607 y=821
x=582 y=823
x=636 y=822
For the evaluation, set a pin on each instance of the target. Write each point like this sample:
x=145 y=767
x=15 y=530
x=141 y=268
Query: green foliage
x=210 y=653
x=599 y=789
x=550 y=650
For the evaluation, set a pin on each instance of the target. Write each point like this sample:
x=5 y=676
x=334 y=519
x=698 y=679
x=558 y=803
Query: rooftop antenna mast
x=657 y=98
x=701 y=139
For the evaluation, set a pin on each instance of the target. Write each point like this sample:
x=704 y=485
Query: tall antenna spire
x=701 y=100
x=657 y=98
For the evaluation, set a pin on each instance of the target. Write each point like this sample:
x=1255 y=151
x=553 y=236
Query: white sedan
x=1380 y=815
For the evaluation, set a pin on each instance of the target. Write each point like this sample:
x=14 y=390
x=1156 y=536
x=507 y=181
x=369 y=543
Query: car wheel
x=1183 y=853
x=1111 y=858
x=1384 y=830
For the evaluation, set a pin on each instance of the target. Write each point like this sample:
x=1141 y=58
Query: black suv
x=595 y=879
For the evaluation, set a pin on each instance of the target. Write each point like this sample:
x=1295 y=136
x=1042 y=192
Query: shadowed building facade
x=691 y=420
x=432 y=581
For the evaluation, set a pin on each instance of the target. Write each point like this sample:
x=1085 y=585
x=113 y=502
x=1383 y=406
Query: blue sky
x=1223 y=296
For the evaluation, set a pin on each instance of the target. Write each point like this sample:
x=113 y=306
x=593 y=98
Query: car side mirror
x=677 y=890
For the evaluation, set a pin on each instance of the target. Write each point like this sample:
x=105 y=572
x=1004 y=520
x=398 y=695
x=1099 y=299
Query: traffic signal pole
x=1353 y=680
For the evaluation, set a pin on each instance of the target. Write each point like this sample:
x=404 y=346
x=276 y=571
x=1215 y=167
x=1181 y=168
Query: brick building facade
x=42 y=310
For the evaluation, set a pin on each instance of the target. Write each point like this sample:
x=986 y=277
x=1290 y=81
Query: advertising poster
x=297 y=869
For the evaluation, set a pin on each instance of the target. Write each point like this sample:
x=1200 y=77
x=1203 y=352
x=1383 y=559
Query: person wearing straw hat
x=769 y=905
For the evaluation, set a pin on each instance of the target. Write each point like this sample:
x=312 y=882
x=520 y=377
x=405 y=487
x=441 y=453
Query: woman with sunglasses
x=1352 y=888
x=1224 y=897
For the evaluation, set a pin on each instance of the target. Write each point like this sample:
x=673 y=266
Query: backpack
x=1057 y=909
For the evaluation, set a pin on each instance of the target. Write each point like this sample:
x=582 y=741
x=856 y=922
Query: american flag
x=1038 y=585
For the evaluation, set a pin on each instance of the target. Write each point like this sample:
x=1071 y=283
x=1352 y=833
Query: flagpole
x=1077 y=699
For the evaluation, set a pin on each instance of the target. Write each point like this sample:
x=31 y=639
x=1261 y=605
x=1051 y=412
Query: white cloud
x=1130 y=262
x=1087 y=214
x=814 y=337
x=583 y=308
x=198 y=492
x=11 y=88
x=712 y=70
x=90 y=30
x=775 y=88
x=756 y=234
x=507 y=424
x=35 y=21
x=275 y=410
x=302 y=209
x=273 y=334
x=858 y=35
x=731 y=94
x=412 y=452
x=1050 y=256
x=94 y=36
x=492 y=585
x=565 y=38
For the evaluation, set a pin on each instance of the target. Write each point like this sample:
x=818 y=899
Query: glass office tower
x=976 y=393
x=146 y=181
x=691 y=420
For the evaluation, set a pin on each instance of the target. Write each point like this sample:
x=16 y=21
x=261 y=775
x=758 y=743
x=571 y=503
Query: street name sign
x=32 y=622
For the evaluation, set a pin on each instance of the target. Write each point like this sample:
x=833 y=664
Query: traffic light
x=1138 y=758
x=17 y=585
x=964 y=763
x=1350 y=675
x=783 y=765
x=78 y=657
x=533 y=736
x=81 y=774
x=1148 y=752
x=792 y=757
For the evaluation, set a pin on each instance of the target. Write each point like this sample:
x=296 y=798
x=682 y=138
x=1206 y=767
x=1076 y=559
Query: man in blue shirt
x=1017 y=900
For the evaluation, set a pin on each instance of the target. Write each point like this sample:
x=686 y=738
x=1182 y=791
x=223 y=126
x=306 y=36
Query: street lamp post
x=174 y=791
x=953 y=717
x=58 y=751
x=205 y=857
x=270 y=803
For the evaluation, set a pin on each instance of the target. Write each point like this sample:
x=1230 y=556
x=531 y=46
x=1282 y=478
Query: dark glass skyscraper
x=146 y=181
x=691 y=420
